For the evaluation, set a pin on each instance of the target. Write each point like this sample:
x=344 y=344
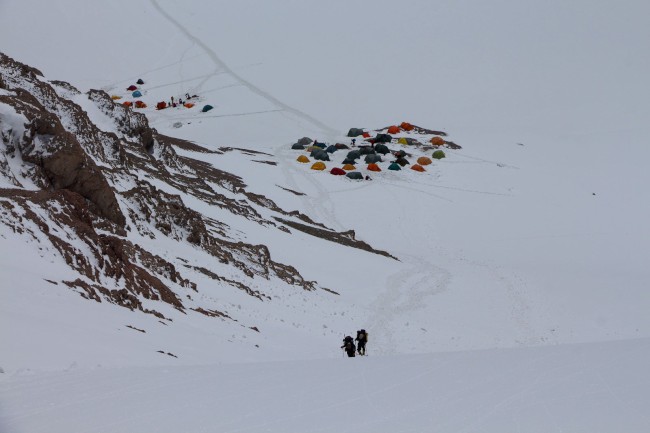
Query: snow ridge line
x=250 y=86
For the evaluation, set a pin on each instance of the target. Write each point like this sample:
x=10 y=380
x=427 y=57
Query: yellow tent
x=320 y=165
x=302 y=158
x=115 y=97
x=402 y=140
x=424 y=160
x=348 y=167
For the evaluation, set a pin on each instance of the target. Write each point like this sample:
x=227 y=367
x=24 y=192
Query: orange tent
x=188 y=105
x=373 y=167
x=417 y=167
x=320 y=165
x=424 y=160
x=406 y=126
x=348 y=167
x=302 y=158
x=393 y=129
x=140 y=104
x=161 y=105
x=437 y=141
x=127 y=103
x=366 y=135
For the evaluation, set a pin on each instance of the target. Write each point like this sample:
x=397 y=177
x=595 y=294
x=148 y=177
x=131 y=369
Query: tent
x=115 y=97
x=354 y=154
x=341 y=146
x=298 y=146
x=302 y=158
x=373 y=167
x=321 y=145
x=349 y=161
x=320 y=165
x=406 y=126
x=320 y=155
x=331 y=149
x=132 y=87
x=140 y=104
x=366 y=150
x=305 y=141
x=382 y=148
x=312 y=148
x=372 y=158
x=161 y=105
x=417 y=167
x=127 y=103
x=400 y=154
x=348 y=167
x=393 y=129
x=137 y=94
x=188 y=105
x=366 y=135
x=394 y=166
x=424 y=160
x=402 y=161
x=402 y=140
x=437 y=141
x=206 y=108
x=355 y=132
x=337 y=171
x=140 y=81
x=354 y=175
x=383 y=138
x=438 y=154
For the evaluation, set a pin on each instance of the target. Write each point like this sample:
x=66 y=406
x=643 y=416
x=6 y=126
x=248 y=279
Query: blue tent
x=207 y=108
x=136 y=94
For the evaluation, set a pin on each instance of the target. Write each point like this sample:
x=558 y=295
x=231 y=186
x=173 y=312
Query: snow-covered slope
x=534 y=233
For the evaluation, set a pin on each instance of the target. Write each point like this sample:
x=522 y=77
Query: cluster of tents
x=372 y=154
x=137 y=93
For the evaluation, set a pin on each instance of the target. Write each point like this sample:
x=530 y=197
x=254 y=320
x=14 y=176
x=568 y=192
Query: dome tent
x=320 y=165
x=337 y=171
x=394 y=166
x=372 y=158
x=302 y=158
x=417 y=167
x=354 y=175
x=438 y=154
x=373 y=167
x=424 y=160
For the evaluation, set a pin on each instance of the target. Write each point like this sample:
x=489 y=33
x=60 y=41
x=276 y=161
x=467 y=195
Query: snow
x=534 y=234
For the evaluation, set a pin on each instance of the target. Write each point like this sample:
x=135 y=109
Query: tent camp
x=136 y=94
x=337 y=171
x=437 y=141
x=424 y=160
x=302 y=158
x=318 y=166
x=206 y=108
x=417 y=167
x=354 y=175
x=373 y=167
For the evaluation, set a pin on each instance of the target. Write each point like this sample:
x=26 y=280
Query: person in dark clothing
x=348 y=346
x=362 y=339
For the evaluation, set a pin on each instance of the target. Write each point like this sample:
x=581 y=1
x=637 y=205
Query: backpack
x=362 y=335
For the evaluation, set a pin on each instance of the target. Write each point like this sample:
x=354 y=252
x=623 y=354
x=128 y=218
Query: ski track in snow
x=221 y=66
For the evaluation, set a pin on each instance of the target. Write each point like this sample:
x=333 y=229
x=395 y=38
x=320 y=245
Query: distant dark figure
x=362 y=339
x=354 y=141
x=172 y=100
x=368 y=178
x=187 y=96
x=348 y=346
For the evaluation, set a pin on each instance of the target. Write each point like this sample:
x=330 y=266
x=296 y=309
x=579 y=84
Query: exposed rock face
x=84 y=194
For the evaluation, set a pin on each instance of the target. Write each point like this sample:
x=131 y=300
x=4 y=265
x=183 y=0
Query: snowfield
x=519 y=301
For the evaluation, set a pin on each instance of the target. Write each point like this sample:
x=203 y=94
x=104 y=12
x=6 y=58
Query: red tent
x=131 y=88
x=337 y=171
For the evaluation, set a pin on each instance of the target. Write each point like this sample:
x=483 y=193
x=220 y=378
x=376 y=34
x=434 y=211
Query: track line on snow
x=221 y=65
